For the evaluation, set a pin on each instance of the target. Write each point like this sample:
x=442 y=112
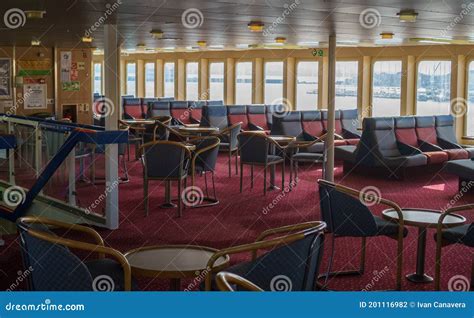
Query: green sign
x=317 y=52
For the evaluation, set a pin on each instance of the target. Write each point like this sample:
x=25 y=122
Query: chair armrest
x=407 y=150
x=225 y=279
x=298 y=144
x=426 y=146
x=288 y=228
x=447 y=144
x=255 y=127
x=350 y=135
x=439 y=226
x=228 y=130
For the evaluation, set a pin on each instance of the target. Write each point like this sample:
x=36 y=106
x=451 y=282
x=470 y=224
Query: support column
x=329 y=141
x=459 y=100
x=323 y=85
x=159 y=78
x=112 y=92
x=204 y=79
x=409 y=85
x=289 y=82
x=140 y=78
x=258 y=85
x=365 y=78
x=180 y=75
x=229 y=71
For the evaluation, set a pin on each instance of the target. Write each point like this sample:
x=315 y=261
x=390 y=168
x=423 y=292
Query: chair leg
x=125 y=169
x=205 y=182
x=180 y=212
x=230 y=163
x=241 y=175
x=265 y=180
x=399 y=261
x=251 y=177
x=438 y=265
x=236 y=160
x=145 y=195
x=283 y=176
x=291 y=170
x=213 y=186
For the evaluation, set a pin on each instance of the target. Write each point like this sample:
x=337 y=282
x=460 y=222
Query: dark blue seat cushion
x=112 y=275
x=388 y=228
x=463 y=234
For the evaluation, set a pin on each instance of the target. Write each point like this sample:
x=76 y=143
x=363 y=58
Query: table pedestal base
x=416 y=278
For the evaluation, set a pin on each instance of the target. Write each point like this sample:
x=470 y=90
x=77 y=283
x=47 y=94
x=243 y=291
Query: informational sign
x=66 y=62
x=317 y=52
x=34 y=96
x=5 y=78
x=71 y=86
x=81 y=66
x=74 y=72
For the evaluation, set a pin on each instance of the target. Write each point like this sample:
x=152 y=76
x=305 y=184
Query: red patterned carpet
x=239 y=218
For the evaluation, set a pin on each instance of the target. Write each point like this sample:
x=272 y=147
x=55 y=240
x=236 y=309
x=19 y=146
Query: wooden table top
x=138 y=121
x=194 y=129
x=423 y=217
x=282 y=139
x=172 y=261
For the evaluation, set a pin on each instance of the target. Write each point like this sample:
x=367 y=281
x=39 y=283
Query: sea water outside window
x=346 y=84
x=150 y=79
x=216 y=80
x=273 y=82
x=433 y=91
x=243 y=83
x=168 y=76
x=192 y=81
x=131 y=84
x=386 y=88
x=98 y=78
x=307 y=85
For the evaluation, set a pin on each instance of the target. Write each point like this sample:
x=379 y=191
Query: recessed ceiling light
x=280 y=40
x=35 y=14
x=169 y=48
x=35 y=42
x=87 y=39
x=407 y=15
x=308 y=44
x=141 y=46
x=430 y=40
x=216 y=47
x=386 y=35
x=242 y=46
x=255 y=26
x=156 y=34
x=201 y=43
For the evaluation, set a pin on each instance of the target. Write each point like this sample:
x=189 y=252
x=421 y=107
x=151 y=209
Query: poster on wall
x=5 y=78
x=74 y=72
x=66 y=66
x=71 y=86
x=34 y=96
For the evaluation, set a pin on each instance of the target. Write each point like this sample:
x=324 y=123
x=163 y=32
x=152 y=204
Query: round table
x=281 y=140
x=423 y=219
x=198 y=130
x=173 y=262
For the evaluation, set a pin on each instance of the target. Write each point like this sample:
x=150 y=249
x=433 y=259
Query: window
x=346 y=85
x=169 y=79
x=386 y=88
x=470 y=101
x=98 y=78
x=307 y=86
x=150 y=80
x=433 y=91
x=243 y=83
x=216 y=80
x=273 y=82
x=131 y=79
x=192 y=81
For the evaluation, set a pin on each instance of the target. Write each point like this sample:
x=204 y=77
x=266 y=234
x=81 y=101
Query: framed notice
x=34 y=96
x=66 y=62
x=5 y=78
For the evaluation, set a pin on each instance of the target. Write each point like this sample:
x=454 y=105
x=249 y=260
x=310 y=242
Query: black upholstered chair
x=204 y=161
x=159 y=108
x=463 y=234
x=166 y=161
x=157 y=132
x=291 y=261
x=347 y=215
x=254 y=149
x=230 y=144
x=300 y=152
x=214 y=116
x=53 y=267
x=230 y=282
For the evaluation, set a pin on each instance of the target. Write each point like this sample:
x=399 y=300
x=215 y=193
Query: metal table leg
x=419 y=276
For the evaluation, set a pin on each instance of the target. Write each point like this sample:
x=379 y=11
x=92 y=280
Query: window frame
x=252 y=93
x=402 y=88
x=102 y=85
x=295 y=84
x=186 y=62
x=126 y=76
x=359 y=61
x=224 y=91
x=270 y=60
x=174 y=77
x=154 y=77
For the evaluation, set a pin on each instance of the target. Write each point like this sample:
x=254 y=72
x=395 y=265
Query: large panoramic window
x=98 y=78
x=150 y=80
x=168 y=78
x=307 y=86
x=470 y=101
x=216 y=80
x=346 y=84
x=243 y=83
x=273 y=82
x=192 y=81
x=386 y=88
x=433 y=91
x=131 y=85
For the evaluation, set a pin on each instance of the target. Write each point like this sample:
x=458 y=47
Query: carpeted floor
x=239 y=218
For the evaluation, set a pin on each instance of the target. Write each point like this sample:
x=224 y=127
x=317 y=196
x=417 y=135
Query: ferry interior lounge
x=236 y=145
